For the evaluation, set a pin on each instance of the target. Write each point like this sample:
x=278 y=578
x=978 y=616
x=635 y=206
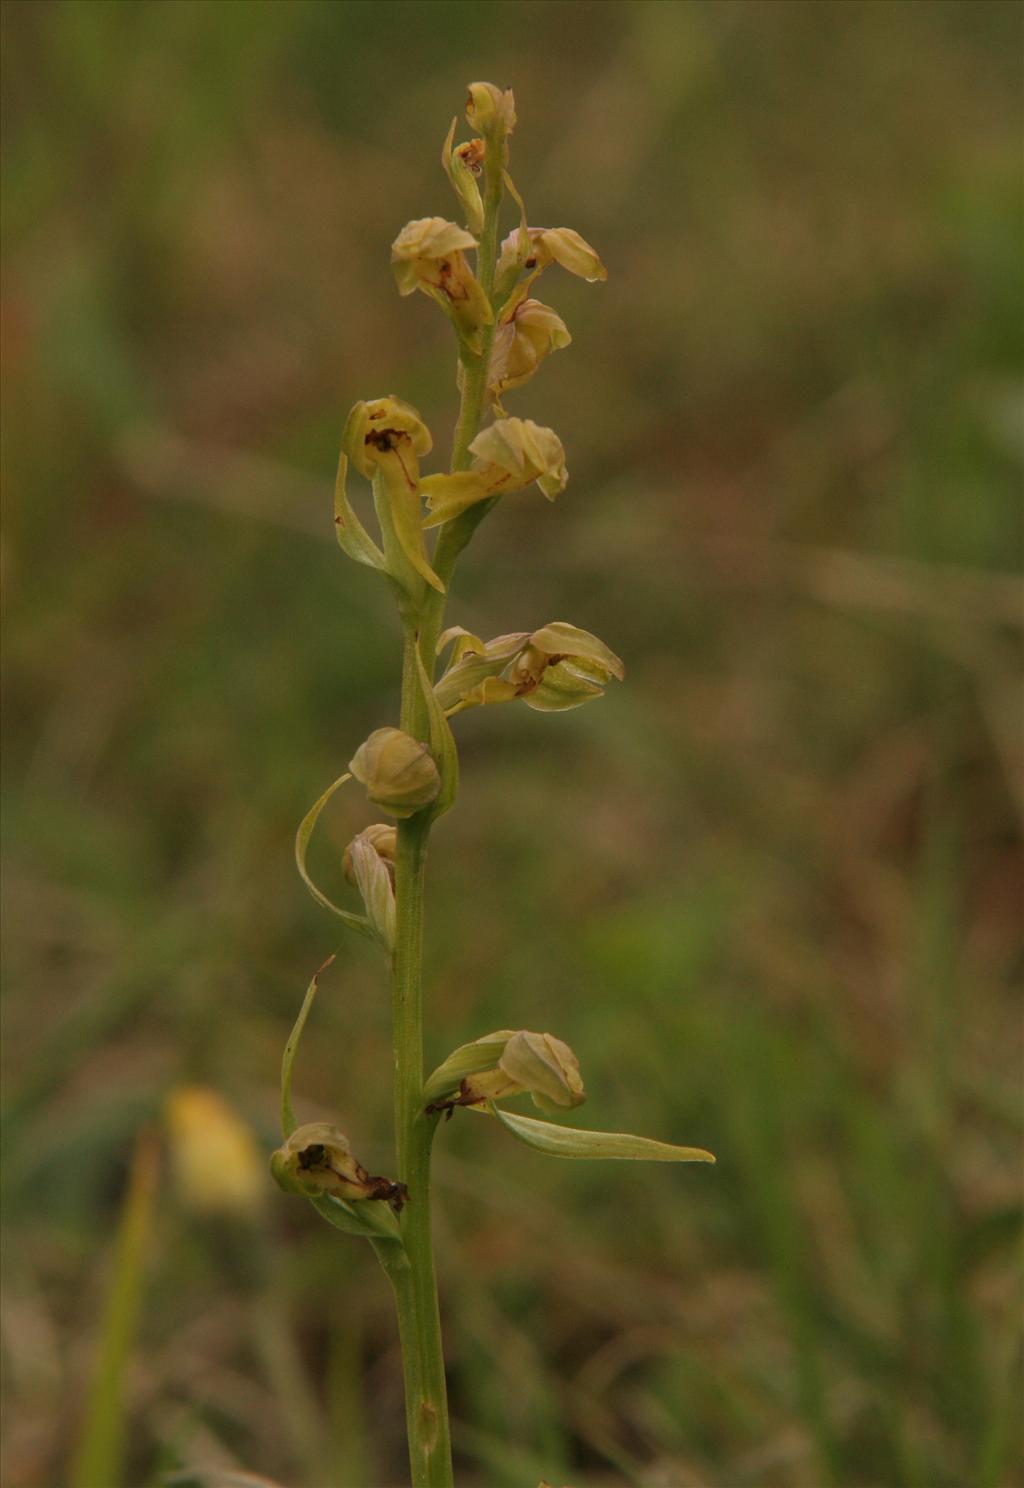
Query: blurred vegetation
x=769 y=890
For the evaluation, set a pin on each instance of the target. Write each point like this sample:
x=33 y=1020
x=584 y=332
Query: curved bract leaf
x=350 y=532
x=567 y=1141
x=291 y=1049
x=302 y=836
x=442 y=745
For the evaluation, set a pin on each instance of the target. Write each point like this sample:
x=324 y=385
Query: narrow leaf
x=567 y=1141
x=302 y=836
x=291 y=1049
x=98 y=1457
x=350 y=532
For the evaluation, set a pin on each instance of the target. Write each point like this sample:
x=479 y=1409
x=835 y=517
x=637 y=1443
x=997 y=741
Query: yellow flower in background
x=216 y=1163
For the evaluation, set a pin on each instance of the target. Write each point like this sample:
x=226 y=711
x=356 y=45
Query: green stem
x=411 y=1272
x=474 y=367
x=411 y=1269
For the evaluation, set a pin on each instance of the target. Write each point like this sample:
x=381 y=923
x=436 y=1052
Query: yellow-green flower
x=552 y=670
x=384 y=439
x=507 y=455
x=317 y=1159
x=527 y=332
x=538 y=247
x=429 y=255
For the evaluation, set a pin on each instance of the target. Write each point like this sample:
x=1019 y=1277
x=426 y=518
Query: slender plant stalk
x=416 y=1290
x=411 y=772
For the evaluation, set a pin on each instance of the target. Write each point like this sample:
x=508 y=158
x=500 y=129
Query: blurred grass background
x=769 y=889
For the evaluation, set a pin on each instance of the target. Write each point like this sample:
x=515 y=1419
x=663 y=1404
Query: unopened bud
x=397 y=772
x=463 y=165
x=369 y=864
x=490 y=109
x=317 y=1159
x=546 y=1067
x=383 y=839
x=508 y=1063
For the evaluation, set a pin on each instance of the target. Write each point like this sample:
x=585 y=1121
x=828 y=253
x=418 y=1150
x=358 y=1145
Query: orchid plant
x=410 y=772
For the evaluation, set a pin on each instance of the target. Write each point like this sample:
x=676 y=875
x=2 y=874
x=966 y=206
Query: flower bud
x=508 y=1063
x=369 y=864
x=428 y=255
x=526 y=334
x=383 y=839
x=463 y=166
x=397 y=772
x=214 y=1157
x=546 y=1067
x=491 y=109
x=317 y=1159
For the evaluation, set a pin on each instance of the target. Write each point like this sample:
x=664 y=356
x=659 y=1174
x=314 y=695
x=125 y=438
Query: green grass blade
x=100 y=1451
